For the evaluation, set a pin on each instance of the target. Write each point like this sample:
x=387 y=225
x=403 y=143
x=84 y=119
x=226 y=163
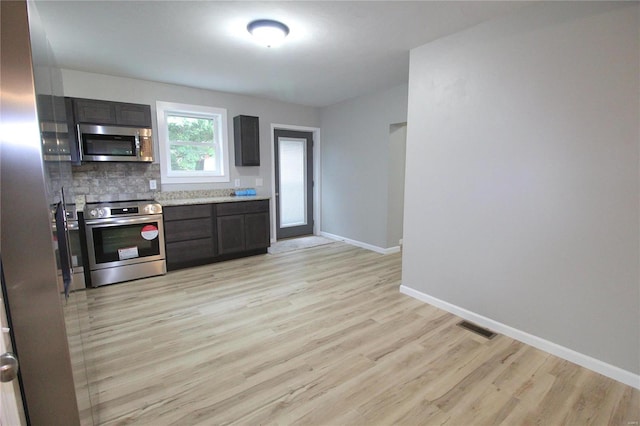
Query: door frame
x=317 y=162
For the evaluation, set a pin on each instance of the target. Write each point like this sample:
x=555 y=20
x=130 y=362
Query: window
x=193 y=143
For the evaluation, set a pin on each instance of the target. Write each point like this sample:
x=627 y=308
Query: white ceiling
x=336 y=50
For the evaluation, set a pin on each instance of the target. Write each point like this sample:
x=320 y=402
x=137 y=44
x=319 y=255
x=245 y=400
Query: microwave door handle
x=80 y=143
x=138 y=145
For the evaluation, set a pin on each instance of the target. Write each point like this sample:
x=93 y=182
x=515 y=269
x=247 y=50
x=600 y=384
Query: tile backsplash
x=114 y=181
x=97 y=182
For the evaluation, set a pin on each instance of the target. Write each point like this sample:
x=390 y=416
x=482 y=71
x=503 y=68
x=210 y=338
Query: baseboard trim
x=360 y=244
x=611 y=371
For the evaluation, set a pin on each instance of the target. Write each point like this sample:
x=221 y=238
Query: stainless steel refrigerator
x=32 y=300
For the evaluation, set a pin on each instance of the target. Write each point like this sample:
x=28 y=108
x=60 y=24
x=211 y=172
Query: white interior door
x=11 y=408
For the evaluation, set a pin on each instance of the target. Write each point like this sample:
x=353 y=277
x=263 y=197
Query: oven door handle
x=124 y=221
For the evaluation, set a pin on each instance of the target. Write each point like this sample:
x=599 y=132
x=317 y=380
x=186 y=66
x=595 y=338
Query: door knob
x=8 y=367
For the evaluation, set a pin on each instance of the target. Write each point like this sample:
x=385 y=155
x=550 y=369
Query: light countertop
x=210 y=200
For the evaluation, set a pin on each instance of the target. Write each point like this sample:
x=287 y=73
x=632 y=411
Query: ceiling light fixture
x=267 y=32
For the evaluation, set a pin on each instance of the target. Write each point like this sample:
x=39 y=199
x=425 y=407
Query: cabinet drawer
x=242 y=207
x=186 y=251
x=188 y=229
x=187 y=212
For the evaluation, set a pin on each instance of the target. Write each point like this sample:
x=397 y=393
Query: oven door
x=124 y=241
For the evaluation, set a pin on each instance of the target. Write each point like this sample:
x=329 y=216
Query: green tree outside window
x=191 y=143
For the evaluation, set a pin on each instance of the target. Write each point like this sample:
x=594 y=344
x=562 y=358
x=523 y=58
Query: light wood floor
x=320 y=336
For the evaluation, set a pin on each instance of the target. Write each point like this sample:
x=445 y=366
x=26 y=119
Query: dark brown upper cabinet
x=95 y=111
x=133 y=115
x=246 y=135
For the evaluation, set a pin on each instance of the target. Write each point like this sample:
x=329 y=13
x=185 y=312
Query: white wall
x=522 y=164
x=98 y=86
x=355 y=164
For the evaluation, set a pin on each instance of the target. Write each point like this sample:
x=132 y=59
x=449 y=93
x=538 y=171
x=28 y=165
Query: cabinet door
x=257 y=231
x=133 y=115
x=231 y=235
x=94 y=111
x=51 y=109
x=73 y=135
x=246 y=135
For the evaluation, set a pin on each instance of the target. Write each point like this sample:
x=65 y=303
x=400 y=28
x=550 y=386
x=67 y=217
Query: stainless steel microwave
x=115 y=143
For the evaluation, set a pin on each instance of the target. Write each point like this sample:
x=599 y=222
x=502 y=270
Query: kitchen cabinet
x=134 y=115
x=246 y=138
x=257 y=235
x=242 y=226
x=206 y=233
x=189 y=235
x=95 y=111
x=231 y=234
x=59 y=141
x=51 y=109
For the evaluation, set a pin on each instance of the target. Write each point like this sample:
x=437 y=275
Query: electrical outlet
x=258 y=181
x=236 y=183
x=152 y=184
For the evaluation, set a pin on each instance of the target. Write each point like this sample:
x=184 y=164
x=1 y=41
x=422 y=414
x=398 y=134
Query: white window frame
x=163 y=109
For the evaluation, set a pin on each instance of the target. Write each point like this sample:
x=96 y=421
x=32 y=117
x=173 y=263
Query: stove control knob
x=151 y=209
x=93 y=213
x=102 y=212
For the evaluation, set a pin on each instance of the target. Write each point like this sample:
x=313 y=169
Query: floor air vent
x=484 y=332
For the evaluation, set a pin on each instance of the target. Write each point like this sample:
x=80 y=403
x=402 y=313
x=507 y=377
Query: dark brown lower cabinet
x=257 y=234
x=189 y=233
x=206 y=233
x=231 y=234
x=243 y=226
x=190 y=252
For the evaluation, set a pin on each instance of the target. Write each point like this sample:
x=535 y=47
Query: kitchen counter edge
x=210 y=200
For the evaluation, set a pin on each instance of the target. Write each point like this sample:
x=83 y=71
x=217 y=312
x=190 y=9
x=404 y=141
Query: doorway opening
x=395 y=187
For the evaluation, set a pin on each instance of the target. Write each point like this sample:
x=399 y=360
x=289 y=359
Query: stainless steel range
x=75 y=244
x=125 y=241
